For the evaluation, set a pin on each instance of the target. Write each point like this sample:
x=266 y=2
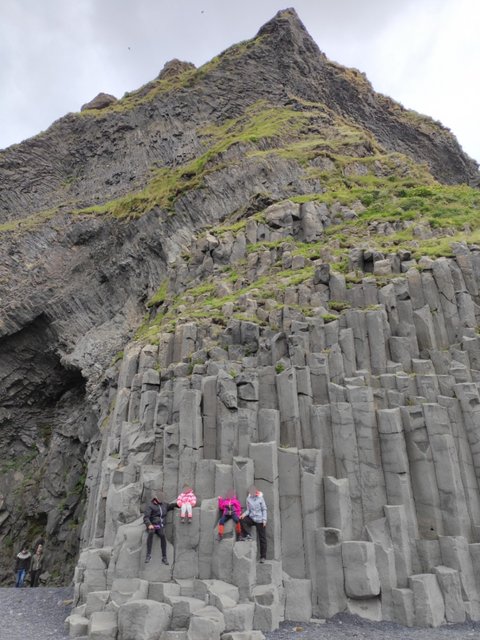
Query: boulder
x=103 y=626
x=77 y=625
x=267 y=608
x=126 y=589
x=101 y=101
x=143 y=620
x=361 y=575
x=281 y=215
x=429 y=603
x=206 y=624
x=298 y=600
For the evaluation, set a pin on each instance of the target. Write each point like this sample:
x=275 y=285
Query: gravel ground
x=34 y=614
x=38 y=614
x=345 y=627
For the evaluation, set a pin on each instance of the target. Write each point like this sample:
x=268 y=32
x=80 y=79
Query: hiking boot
x=165 y=561
x=148 y=557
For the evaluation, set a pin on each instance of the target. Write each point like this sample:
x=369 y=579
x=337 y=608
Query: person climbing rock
x=186 y=501
x=36 y=565
x=22 y=565
x=154 y=519
x=256 y=515
x=230 y=507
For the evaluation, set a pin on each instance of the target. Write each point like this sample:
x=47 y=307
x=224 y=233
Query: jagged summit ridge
x=287 y=24
x=89 y=159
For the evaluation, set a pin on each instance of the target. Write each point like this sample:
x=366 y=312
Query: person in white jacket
x=255 y=515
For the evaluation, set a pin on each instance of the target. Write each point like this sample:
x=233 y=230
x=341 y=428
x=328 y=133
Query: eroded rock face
x=62 y=323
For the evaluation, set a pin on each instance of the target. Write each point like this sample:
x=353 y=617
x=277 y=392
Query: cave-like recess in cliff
x=37 y=378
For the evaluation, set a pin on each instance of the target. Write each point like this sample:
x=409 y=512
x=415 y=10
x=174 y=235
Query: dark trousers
x=34 y=577
x=163 y=541
x=247 y=524
x=226 y=517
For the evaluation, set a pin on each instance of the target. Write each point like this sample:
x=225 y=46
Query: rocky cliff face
x=96 y=156
x=304 y=250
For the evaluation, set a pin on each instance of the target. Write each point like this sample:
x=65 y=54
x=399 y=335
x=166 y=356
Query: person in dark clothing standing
x=22 y=565
x=37 y=565
x=154 y=518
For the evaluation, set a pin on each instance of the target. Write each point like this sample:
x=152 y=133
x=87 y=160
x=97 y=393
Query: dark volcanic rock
x=101 y=101
x=73 y=287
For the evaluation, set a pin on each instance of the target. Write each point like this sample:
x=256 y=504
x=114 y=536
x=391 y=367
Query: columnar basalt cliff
x=256 y=271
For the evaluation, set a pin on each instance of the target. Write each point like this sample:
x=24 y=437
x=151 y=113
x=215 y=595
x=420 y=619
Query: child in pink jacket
x=186 y=501
x=230 y=507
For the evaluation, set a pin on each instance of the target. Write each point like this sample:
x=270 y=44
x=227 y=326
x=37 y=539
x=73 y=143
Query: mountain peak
x=286 y=25
x=100 y=159
x=282 y=20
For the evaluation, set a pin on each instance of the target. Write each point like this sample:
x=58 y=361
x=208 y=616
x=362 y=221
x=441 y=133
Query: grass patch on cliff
x=457 y=205
x=200 y=302
x=454 y=206
x=319 y=139
x=404 y=200
x=430 y=206
x=260 y=122
x=438 y=205
x=167 y=185
x=160 y=295
x=450 y=212
x=298 y=133
x=439 y=247
x=303 y=133
x=30 y=223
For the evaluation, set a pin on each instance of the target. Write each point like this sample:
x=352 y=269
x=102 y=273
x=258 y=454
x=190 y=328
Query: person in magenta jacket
x=186 y=501
x=230 y=507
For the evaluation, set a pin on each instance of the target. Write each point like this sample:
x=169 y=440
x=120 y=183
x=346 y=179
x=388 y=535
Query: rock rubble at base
x=362 y=432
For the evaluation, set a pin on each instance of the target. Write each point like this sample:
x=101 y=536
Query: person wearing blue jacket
x=255 y=515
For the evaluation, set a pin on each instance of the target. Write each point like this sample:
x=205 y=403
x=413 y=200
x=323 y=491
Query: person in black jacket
x=154 y=518
x=22 y=565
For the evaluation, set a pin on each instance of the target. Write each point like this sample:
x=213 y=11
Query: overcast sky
x=56 y=55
